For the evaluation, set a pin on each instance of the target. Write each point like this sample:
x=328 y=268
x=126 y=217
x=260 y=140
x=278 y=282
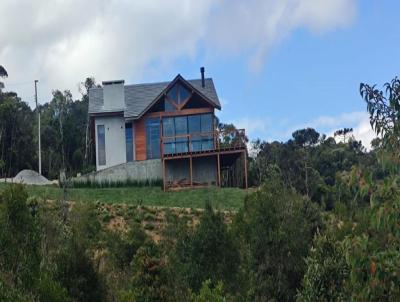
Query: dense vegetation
x=65 y=136
x=321 y=224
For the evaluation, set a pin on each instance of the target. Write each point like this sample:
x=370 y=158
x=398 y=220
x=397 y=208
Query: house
x=165 y=130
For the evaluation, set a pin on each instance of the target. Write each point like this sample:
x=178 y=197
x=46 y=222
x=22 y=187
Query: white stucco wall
x=114 y=127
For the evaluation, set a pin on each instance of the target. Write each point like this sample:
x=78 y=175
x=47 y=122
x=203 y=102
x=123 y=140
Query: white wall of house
x=115 y=147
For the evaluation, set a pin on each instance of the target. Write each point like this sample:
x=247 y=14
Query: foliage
x=16 y=133
x=207 y=293
x=357 y=256
x=276 y=226
x=384 y=110
x=305 y=137
x=65 y=135
x=3 y=72
x=207 y=253
x=19 y=238
x=124 y=247
x=149 y=275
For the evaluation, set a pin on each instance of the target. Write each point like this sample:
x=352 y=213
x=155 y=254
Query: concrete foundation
x=137 y=171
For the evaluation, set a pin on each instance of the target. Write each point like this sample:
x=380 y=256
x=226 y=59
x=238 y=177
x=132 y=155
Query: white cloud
x=254 y=26
x=359 y=121
x=62 y=42
x=252 y=126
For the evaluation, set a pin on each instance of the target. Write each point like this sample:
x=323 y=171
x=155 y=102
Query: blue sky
x=277 y=65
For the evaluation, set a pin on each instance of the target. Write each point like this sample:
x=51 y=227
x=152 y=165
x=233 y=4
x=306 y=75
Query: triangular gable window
x=178 y=96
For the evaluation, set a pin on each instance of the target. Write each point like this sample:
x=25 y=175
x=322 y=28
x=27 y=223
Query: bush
x=276 y=228
x=19 y=238
x=207 y=293
x=208 y=252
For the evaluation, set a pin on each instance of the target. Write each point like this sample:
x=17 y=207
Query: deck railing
x=200 y=142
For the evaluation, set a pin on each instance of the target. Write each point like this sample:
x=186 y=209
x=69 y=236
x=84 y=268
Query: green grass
x=225 y=198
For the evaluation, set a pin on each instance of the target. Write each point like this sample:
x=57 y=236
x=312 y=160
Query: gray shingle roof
x=139 y=97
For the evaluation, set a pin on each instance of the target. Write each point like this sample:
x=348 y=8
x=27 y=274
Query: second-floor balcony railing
x=199 y=142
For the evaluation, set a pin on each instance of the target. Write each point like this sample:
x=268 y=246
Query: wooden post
x=164 y=184
x=219 y=170
x=191 y=171
x=245 y=169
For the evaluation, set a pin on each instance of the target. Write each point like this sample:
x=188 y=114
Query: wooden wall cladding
x=140 y=139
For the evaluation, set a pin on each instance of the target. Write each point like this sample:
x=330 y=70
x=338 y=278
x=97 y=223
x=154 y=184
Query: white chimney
x=113 y=95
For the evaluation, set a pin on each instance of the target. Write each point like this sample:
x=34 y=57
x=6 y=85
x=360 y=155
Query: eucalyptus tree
x=384 y=110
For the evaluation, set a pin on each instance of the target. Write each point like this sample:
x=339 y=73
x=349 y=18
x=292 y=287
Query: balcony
x=203 y=143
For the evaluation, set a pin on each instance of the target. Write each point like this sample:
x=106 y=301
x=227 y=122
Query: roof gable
x=139 y=98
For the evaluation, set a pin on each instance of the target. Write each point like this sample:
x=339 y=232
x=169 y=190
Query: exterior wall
x=114 y=127
x=140 y=127
x=140 y=171
x=140 y=139
x=114 y=97
x=204 y=169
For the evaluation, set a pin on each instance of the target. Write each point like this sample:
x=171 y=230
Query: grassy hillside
x=225 y=198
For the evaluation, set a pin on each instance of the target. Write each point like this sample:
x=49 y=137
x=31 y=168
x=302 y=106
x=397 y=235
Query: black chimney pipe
x=203 y=83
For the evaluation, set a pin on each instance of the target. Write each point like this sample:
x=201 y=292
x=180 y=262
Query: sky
x=278 y=65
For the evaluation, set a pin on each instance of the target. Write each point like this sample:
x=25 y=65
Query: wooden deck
x=224 y=144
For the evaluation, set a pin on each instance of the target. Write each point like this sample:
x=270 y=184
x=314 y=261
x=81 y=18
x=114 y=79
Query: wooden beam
x=164 y=173
x=180 y=112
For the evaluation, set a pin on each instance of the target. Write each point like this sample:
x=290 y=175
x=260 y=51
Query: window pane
x=129 y=141
x=181 y=129
x=168 y=106
x=183 y=94
x=206 y=122
x=153 y=138
x=207 y=126
x=101 y=145
x=169 y=131
x=173 y=94
x=195 y=127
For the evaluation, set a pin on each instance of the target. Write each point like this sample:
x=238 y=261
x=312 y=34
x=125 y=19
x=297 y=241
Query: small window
x=101 y=145
x=129 y=142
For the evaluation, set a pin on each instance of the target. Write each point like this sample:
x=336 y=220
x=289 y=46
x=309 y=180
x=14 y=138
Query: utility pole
x=38 y=113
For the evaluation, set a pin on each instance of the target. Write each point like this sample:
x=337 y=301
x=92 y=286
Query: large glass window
x=101 y=145
x=177 y=129
x=129 y=141
x=153 y=138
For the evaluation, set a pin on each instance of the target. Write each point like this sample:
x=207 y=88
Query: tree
x=306 y=137
x=208 y=252
x=384 y=110
x=16 y=135
x=3 y=74
x=343 y=132
x=275 y=228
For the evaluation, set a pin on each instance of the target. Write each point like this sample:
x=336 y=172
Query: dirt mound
x=30 y=177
